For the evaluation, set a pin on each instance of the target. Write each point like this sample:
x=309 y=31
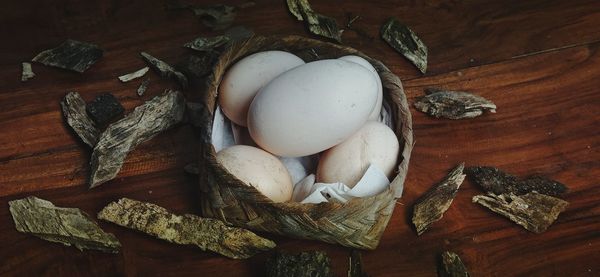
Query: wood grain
x=539 y=61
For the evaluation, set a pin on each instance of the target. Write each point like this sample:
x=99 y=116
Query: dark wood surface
x=539 y=61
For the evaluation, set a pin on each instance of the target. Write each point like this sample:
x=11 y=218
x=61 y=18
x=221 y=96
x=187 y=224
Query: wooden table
x=539 y=61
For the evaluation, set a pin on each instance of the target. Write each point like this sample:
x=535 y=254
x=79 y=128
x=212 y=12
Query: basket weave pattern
x=360 y=222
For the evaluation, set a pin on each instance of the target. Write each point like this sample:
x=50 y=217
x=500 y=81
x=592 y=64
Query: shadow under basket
x=358 y=223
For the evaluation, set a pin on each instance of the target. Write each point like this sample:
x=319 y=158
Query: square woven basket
x=360 y=222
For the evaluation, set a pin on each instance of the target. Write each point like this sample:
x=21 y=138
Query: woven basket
x=360 y=222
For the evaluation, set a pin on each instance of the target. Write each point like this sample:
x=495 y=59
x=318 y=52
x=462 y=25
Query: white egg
x=256 y=167
x=375 y=143
x=377 y=109
x=312 y=107
x=246 y=77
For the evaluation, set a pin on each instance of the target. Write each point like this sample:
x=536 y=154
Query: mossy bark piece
x=494 y=180
x=143 y=87
x=534 y=211
x=74 y=110
x=317 y=24
x=71 y=55
x=406 y=42
x=69 y=226
x=216 y=17
x=313 y=263
x=104 y=109
x=144 y=123
x=453 y=104
x=434 y=203
x=452 y=266
x=165 y=70
x=206 y=233
x=207 y=43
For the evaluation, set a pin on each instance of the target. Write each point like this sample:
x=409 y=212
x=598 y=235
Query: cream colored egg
x=312 y=107
x=375 y=143
x=257 y=168
x=356 y=59
x=243 y=80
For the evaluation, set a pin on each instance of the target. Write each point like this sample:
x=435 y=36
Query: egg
x=377 y=109
x=375 y=143
x=312 y=107
x=243 y=80
x=255 y=167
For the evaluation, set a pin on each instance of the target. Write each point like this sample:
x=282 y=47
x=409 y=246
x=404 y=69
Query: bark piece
x=104 y=108
x=165 y=70
x=27 y=73
x=453 y=104
x=216 y=17
x=534 y=211
x=355 y=265
x=494 y=180
x=197 y=67
x=452 y=266
x=406 y=42
x=145 y=122
x=206 y=233
x=433 y=204
x=134 y=75
x=318 y=24
x=71 y=55
x=207 y=43
x=69 y=226
x=143 y=87
x=313 y=263
x=73 y=108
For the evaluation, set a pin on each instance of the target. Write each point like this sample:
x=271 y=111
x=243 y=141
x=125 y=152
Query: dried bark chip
x=71 y=55
x=452 y=266
x=406 y=42
x=73 y=109
x=104 y=108
x=355 y=265
x=453 y=104
x=318 y=24
x=143 y=87
x=491 y=179
x=165 y=70
x=432 y=206
x=216 y=17
x=534 y=211
x=197 y=67
x=313 y=263
x=541 y=185
x=144 y=123
x=27 y=73
x=134 y=75
x=494 y=180
x=206 y=233
x=207 y=43
x=69 y=226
